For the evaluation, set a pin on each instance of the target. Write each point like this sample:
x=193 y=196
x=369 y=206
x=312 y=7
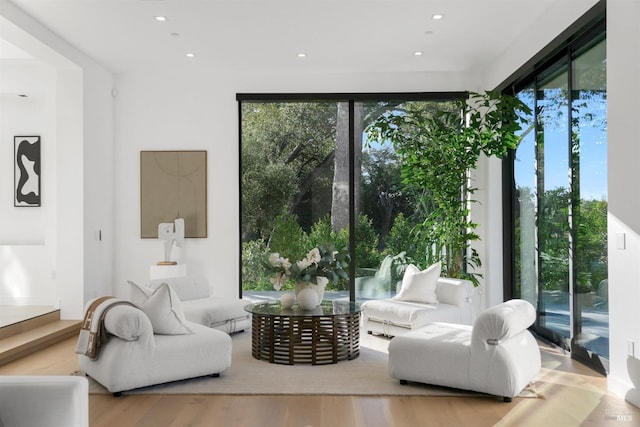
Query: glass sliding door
x=589 y=148
x=310 y=177
x=552 y=156
x=294 y=188
x=387 y=209
x=525 y=208
x=559 y=203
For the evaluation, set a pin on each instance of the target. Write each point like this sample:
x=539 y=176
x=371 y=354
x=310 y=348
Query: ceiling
x=268 y=35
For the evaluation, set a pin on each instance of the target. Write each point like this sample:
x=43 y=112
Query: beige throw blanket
x=92 y=332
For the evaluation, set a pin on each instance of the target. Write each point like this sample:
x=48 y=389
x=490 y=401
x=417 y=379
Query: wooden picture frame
x=26 y=171
x=173 y=184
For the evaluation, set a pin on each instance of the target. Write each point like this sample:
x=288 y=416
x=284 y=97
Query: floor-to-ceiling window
x=559 y=203
x=312 y=176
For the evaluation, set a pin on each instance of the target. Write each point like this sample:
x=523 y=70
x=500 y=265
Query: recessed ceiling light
x=302 y=55
x=160 y=18
x=175 y=34
x=417 y=53
x=190 y=55
x=437 y=16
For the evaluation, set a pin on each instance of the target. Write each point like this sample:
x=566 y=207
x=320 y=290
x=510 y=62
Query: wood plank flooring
x=574 y=396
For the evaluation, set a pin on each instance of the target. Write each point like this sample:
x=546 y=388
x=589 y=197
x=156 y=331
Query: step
x=38 y=337
x=20 y=319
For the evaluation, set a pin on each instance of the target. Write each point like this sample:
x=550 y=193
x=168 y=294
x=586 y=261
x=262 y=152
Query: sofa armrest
x=128 y=323
x=503 y=321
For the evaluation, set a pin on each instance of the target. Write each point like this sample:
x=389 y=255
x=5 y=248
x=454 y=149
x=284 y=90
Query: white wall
x=25 y=116
x=27 y=252
x=80 y=123
x=623 y=91
x=559 y=16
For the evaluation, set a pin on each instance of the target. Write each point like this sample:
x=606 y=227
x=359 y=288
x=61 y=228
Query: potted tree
x=437 y=152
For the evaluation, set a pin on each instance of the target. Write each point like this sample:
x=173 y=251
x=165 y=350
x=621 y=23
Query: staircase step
x=43 y=316
x=31 y=340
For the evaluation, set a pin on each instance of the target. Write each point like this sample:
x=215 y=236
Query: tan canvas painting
x=173 y=184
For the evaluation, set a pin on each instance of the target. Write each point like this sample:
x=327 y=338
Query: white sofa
x=393 y=317
x=225 y=314
x=133 y=356
x=44 y=401
x=498 y=355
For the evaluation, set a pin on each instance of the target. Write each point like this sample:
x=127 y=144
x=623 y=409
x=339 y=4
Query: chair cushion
x=419 y=286
x=410 y=314
x=438 y=353
x=213 y=312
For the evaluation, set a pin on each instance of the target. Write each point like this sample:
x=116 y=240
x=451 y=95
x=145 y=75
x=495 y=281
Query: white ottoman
x=30 y=401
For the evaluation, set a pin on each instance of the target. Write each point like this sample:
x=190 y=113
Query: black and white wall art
x=26 y=170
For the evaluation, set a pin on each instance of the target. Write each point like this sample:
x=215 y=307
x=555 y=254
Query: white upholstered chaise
x=393 y=317
x=497 y=355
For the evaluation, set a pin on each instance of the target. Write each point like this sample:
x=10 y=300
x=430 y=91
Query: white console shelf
x=166 y=271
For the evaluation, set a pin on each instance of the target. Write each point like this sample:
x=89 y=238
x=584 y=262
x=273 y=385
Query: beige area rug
x=366 y=375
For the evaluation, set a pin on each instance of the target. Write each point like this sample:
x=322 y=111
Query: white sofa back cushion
x=187 y=287
x=453 y=291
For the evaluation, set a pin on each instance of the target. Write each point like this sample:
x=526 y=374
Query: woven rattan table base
x=315 y=340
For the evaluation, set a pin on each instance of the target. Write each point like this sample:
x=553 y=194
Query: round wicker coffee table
x=327 y=334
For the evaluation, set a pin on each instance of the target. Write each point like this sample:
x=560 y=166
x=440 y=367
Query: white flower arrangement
x=319 y=266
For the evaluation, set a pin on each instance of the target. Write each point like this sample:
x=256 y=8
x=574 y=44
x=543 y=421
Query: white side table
x=165 y=271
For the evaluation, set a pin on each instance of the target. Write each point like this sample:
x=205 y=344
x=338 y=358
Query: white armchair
x=497 y=355
x=134 y=356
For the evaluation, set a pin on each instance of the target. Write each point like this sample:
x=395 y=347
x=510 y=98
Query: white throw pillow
x=419 y=286
x=139 y=294
x=164 y=310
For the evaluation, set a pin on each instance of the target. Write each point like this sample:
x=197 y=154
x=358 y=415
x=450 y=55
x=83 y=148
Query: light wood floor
x=574 y=396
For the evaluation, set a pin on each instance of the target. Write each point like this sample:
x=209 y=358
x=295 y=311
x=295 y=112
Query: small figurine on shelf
x=173 y=236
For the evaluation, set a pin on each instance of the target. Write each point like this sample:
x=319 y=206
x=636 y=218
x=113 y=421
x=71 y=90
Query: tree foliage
x=437 y=152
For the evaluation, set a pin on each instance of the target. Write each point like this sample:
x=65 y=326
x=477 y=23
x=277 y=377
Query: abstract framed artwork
x=173 y=184
x=26 y=171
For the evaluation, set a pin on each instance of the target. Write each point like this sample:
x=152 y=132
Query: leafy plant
x=401 y=240
x=437 y=152
x=253 y=252
x=288 y=238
